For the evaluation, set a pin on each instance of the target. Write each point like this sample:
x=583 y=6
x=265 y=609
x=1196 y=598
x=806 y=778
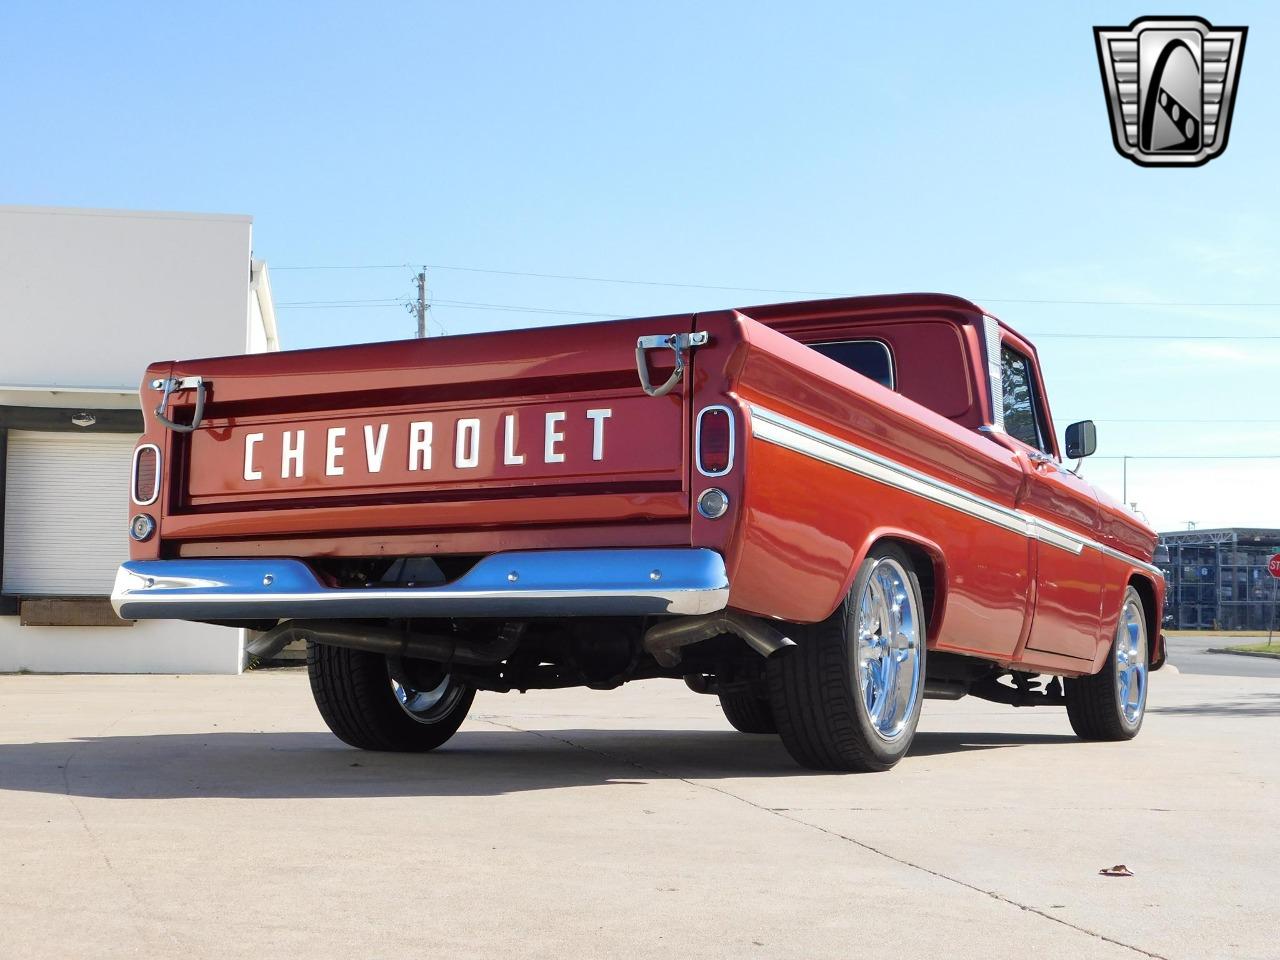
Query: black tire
x=354 y=693
x=1094 y=704
x=747 y=712
x=814 y=691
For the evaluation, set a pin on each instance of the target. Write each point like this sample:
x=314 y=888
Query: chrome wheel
x=427 y=705
x=888 y=649
x=1131 y=662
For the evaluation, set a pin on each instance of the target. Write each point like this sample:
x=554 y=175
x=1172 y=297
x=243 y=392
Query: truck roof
x=874 y=303
x=963 y=310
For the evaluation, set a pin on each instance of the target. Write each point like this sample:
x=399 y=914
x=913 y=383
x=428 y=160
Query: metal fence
x=1218 y=579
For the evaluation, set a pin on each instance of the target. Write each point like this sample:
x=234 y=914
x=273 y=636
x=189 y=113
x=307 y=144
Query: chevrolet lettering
x=467 y=441
x=822 y=513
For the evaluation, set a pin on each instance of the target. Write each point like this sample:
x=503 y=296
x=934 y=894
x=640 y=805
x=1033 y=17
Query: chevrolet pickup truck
x=822 y=513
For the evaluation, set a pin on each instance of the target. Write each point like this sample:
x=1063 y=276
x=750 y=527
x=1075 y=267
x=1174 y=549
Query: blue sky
x=802 y=146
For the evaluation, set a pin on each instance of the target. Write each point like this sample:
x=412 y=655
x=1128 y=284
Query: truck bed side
x=834 y=461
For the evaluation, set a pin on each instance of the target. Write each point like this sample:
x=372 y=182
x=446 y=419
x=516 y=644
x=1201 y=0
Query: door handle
x=1043 y=460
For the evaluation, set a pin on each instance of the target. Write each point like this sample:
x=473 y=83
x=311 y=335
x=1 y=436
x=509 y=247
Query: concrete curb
x=1247 y=653
x=1193 y=634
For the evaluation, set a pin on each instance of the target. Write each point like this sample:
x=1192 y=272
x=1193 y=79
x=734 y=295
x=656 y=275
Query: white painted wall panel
x=149 y=646
x=65 y=512
x=99 y=294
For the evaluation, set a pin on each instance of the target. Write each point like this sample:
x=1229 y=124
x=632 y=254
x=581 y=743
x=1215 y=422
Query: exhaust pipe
x=385 y=640
x=664 y=640
x=945 y=689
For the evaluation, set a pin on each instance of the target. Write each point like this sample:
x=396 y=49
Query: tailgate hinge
x=679 y=344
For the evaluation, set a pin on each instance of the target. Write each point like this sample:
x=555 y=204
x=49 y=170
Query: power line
x=511 y=307
x=1190 y=420
x=381 y=301
x=741 y=289
x=460 y=304
x=1134 y=303
x=1152 y=336
x=1189 y=456
x=341 y=305
x=346 y=266
x=523 y=308
x=577 y=277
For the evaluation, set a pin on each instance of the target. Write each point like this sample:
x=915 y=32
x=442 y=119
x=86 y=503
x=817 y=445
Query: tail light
x=146 y=474
x=714 y=441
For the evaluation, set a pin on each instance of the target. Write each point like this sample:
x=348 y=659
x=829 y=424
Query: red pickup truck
x=820 y=512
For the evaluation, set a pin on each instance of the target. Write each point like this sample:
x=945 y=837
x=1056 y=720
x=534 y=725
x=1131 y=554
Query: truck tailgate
x=507 y=430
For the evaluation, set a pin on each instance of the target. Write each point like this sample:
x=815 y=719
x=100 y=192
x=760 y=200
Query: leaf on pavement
x=1119 y=870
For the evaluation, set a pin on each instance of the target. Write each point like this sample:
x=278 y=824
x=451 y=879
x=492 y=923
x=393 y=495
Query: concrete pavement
x=215 y=817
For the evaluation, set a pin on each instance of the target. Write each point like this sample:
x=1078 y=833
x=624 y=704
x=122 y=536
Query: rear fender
x=933 y=580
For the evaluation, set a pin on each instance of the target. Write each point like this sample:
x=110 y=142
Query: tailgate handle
x=173 y=385
x=679 y=344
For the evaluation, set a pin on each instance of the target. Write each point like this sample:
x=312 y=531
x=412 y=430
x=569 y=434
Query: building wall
x=257 y=338
x=154 y=646
x=87 y=299
x=98 y=294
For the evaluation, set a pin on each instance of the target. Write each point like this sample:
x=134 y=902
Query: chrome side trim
x=697 y=440
x=783 y=431
x=995 y=372
x=1121 y=555
x=133 y=476
x=517 y=584
x=1059 y=537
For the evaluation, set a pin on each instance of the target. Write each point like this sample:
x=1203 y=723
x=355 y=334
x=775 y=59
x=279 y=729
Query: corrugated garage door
x=65 y=512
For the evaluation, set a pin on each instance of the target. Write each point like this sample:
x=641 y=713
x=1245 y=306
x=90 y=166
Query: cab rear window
x=871 y=358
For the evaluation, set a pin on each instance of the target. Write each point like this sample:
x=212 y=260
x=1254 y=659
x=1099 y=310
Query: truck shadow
x=474 y=763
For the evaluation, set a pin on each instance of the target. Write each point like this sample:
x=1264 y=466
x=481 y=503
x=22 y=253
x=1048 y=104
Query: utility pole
x=421 y=306
x=1124 y=466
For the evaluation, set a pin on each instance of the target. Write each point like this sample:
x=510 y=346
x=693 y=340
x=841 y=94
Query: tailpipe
x=664 y=640
x=377 y=638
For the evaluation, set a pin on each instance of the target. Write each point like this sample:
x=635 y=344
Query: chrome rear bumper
x=686 y=580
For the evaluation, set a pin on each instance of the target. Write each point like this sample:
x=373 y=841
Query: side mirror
x=1082 y=440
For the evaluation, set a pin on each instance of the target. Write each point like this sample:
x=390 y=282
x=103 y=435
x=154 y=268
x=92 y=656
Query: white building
x=87 y=299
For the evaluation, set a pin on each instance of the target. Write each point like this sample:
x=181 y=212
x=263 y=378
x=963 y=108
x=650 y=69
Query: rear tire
x=747 y=712
x=848 y=696
x=372 y=703
x=1111 y=704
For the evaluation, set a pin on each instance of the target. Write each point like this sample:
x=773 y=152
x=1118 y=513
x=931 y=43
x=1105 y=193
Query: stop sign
x=1274 y=566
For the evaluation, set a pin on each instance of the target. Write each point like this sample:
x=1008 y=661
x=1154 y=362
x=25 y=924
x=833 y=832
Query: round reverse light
x=142 y=527
x=713 y=503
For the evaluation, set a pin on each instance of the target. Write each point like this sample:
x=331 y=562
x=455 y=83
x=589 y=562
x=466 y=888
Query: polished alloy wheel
x=427 y=705
x=888 y=649
x=1131 y=662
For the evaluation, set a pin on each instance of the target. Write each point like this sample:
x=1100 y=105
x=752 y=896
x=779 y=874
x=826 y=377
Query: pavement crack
x=993 y=894
x=782 y=814
x=144 y=907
